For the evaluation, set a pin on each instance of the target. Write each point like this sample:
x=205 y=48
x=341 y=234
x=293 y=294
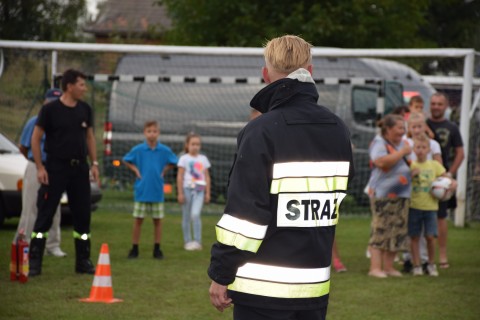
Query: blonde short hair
x=416 y=117
x=288 y=53
x=423 y=138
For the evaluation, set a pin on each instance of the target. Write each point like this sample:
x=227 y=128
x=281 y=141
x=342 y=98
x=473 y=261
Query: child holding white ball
x=424 y=206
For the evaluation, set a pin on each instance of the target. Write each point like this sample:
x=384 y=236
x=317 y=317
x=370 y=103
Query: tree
x=344 y=23
x=453 y=23
x=42 y=20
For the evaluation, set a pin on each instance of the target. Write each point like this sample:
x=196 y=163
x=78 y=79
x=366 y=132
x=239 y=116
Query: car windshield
x=6 y=146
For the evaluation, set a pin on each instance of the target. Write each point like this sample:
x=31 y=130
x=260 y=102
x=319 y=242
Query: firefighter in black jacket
x=68 y=127
x=274 y=242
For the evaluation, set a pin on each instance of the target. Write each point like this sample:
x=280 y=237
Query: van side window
x=364 y=105
x=393 y=96
x=328 y=96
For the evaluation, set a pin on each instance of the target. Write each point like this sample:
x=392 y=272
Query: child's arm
x=429 y=132
x=415 y=172
x=180 y=195
x=166 y=168
x=207 y=188
x=438 y=157
x=134 y=168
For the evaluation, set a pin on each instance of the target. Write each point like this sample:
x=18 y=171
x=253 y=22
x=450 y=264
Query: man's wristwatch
x=95 y=163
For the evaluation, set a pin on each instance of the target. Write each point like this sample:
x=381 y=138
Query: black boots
x=83 y=263
x=37 y=247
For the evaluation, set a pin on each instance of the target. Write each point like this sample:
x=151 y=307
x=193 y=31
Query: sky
x=92 y=7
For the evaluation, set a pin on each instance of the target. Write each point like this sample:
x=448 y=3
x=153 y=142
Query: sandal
x=444 y=265
x=393 y=273
x=377 y=274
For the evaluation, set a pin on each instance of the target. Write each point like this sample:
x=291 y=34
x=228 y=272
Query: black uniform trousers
x=241 y=312
x=72 y=176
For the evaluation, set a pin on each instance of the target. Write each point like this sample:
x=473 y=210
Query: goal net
x=208 y=91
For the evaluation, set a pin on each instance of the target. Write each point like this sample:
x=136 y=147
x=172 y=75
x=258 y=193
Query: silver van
x=210 y=95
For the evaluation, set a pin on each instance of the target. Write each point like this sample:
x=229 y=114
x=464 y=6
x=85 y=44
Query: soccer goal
x=208 y=90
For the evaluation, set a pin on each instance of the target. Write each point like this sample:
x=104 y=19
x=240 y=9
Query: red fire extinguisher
x=19 y=259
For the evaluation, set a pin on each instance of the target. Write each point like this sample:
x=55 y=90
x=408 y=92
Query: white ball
x=439 y=188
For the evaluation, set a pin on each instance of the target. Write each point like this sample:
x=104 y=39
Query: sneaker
x=417 y=271
x=158 y=254
x=196 y=246
x=133 y=254
x=432 y=270
x=56 y=252
x=189 y=246
x=407 y=266
x=193 y=246
x=338 y=266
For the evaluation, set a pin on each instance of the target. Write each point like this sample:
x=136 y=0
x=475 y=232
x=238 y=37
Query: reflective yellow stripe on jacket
x=308 y=184
x=240 y=233
x=282 y=282
x=311 y=169
x=309 y=177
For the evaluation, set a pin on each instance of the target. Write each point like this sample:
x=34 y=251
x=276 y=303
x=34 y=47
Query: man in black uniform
x=68 y=127
x=274 y=241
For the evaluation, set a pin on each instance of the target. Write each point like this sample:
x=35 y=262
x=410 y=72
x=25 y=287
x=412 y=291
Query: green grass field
x=177 y=287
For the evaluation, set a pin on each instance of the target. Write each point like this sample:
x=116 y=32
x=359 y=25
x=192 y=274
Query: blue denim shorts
x=421 y=219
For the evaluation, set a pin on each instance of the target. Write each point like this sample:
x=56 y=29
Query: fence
x=208 y=90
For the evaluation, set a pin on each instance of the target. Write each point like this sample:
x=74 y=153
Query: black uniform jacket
x=298 y=139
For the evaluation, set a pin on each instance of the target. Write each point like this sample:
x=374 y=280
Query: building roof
x=127 y=17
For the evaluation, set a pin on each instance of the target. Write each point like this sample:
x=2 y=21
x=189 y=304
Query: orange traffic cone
x=102 y=290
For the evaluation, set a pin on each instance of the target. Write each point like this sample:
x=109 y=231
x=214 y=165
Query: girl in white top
x=193 y=188
x=416 y=127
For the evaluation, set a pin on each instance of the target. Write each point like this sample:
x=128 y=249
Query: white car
x=12 y=169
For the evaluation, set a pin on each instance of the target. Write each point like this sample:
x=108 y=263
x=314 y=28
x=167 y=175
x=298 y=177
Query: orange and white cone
x=102 y=290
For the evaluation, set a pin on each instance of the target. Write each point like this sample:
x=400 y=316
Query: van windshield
x=182 y=107
x=179 y=108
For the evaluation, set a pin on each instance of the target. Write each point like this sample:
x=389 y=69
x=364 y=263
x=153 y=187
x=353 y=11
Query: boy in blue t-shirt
x=149 y=161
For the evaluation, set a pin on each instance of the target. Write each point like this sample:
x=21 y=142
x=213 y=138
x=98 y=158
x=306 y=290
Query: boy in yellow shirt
x=423 y=206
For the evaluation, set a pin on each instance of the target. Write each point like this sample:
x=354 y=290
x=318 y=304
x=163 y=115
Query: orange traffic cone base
x=102 y=290
x=113 y=300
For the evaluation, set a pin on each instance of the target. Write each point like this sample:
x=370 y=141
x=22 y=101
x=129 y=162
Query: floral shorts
x=389 y=228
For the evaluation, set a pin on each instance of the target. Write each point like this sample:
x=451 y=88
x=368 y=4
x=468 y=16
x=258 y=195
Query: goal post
x=354 y=61
x=465 y=133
